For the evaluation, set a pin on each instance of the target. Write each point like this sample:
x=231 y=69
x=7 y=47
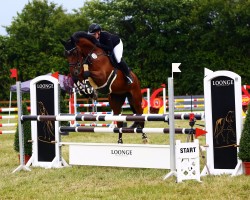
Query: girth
x=106 y=87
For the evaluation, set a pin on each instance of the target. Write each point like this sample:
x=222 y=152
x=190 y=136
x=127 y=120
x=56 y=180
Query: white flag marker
x=207 y=71
x=175 y=68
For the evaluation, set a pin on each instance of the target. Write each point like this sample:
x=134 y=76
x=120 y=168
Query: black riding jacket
x=108 y=41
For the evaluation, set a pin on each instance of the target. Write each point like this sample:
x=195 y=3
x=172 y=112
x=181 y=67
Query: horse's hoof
x=120 y=141
x=145 y=140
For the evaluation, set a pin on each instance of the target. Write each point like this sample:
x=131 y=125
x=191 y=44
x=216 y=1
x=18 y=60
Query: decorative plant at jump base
x=244 y=149
x=26 y=135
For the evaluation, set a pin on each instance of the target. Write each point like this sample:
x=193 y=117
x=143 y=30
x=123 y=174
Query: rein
x=77 y=67
x=80 y=62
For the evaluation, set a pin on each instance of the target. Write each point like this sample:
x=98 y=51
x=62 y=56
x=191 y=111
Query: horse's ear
x=63 y=42
x=72 y=40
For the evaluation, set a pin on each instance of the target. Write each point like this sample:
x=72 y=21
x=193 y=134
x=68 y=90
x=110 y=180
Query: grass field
x=85 y=182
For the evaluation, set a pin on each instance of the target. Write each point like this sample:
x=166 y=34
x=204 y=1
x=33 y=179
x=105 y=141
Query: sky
x=9 y=9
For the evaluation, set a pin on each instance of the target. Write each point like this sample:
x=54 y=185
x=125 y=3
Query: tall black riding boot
x=126 y=71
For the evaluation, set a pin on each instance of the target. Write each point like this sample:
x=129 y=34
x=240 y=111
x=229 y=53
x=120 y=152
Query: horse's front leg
x=119 y=125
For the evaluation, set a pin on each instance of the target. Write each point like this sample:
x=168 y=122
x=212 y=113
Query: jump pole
x=107 y=117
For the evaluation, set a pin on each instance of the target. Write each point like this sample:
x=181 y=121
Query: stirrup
x=129 y=80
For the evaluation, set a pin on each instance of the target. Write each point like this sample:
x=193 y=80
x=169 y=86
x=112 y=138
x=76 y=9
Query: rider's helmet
x=94 y=28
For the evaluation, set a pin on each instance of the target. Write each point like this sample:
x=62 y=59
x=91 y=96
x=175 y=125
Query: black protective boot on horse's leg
x=126 y=71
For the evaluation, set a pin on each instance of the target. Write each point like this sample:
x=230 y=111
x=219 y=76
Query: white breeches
x=118 y=51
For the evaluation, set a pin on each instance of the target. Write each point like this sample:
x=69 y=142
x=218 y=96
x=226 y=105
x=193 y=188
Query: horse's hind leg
x=116 y=102
x=135 y=100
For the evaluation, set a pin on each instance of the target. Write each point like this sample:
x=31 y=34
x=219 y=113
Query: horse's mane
x=82 y=34
x=70 y=44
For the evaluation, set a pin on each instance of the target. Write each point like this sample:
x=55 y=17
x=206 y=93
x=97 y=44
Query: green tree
x=35 y=39
x=210 y=33
x=217 y=39
x=5 y=79
x=244 y=150
x=33 y=45
x=151 y=31
x=26 y=134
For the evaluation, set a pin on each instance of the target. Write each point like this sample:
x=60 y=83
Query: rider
x=112 y=43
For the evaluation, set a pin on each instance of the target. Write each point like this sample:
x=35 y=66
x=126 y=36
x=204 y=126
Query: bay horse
x=88 y=61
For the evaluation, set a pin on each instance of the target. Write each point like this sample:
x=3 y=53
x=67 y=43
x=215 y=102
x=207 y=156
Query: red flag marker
x=55 y=75
x=199 y=132
x=13 y=73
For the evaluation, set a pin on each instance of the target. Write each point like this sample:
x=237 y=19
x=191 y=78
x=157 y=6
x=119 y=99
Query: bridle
x=81 y=62
x=77 y=66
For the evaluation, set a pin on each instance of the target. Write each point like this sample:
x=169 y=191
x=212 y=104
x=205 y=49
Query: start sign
x=187 y=160
x=188 y=150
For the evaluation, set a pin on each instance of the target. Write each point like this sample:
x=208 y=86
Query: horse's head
x=78 y=51
x=74 y=57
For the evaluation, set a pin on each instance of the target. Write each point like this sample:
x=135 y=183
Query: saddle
x=106 y=88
